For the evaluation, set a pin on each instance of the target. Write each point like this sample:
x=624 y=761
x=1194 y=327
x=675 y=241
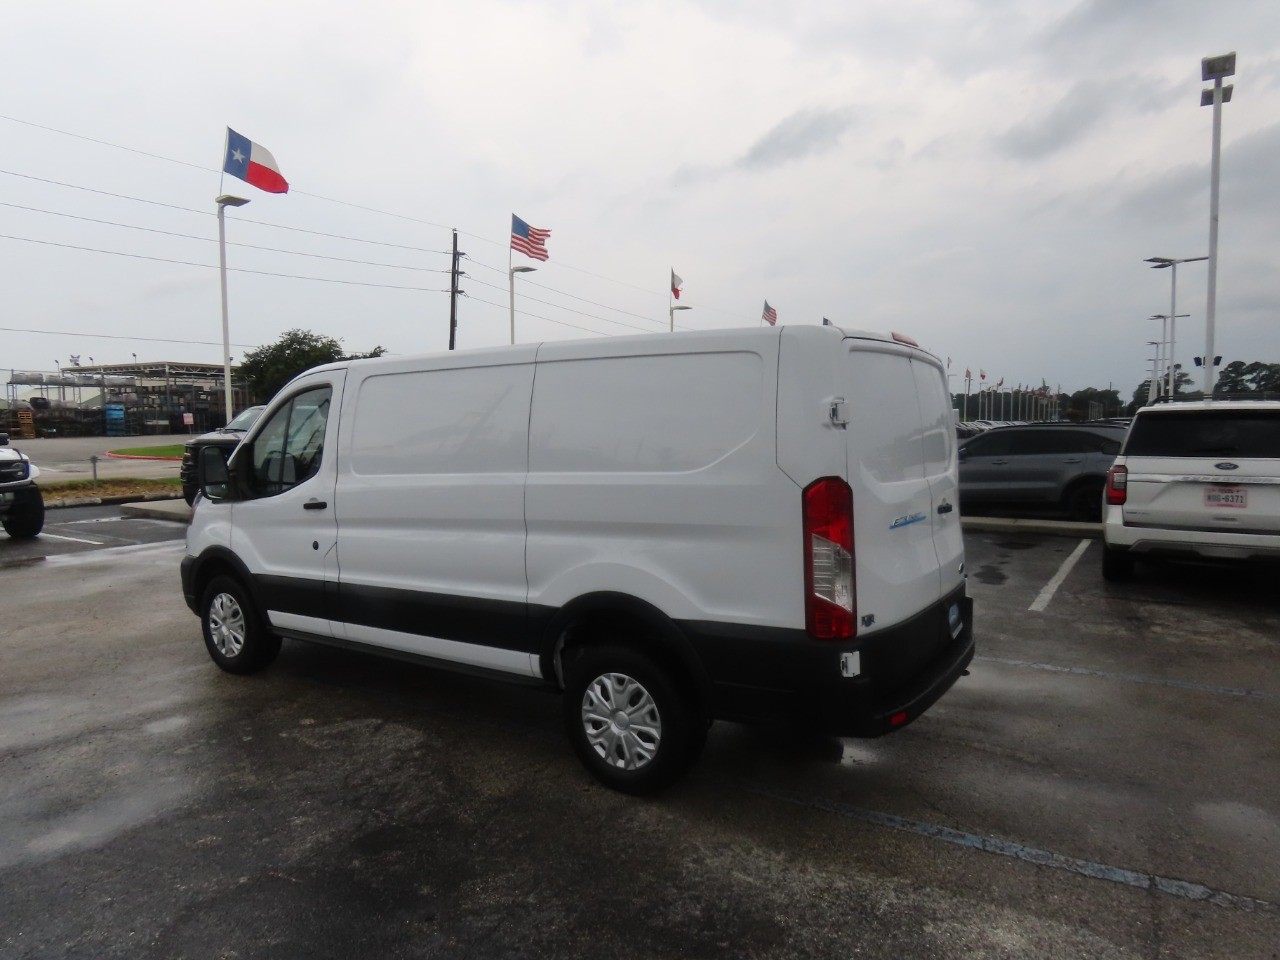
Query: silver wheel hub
x=621 y=721
x=226 y=624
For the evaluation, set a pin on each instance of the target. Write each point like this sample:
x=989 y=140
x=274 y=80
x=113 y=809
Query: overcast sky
x=986 y=177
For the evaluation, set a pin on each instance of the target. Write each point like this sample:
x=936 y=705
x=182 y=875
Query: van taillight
x=830 y=606
x=1117 y=485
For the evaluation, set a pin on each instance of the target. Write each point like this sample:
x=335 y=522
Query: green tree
x=1240 y=377
x=268 y=368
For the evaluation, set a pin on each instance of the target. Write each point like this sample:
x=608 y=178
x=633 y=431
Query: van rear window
x=1209 y=433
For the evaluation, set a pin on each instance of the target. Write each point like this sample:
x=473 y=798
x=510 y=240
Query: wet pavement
x=1104 y=784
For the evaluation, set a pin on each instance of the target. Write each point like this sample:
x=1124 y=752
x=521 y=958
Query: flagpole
x=511 y=292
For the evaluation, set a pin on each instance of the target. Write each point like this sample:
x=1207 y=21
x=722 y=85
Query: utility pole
x=453 y=293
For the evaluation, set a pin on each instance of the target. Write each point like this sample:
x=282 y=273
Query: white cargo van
x=742 y=524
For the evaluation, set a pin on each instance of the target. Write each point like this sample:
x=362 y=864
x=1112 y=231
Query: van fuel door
x=838 y=412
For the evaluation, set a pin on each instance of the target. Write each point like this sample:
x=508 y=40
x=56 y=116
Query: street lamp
x=224 y=201
x=671 y=314
x=511 y=284
x=1162 y=263
x=1168 y=365
x=1155 y=363
x=1215 y=69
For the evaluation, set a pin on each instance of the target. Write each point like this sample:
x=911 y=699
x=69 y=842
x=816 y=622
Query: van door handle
x=999 y=462
x=1073 y=460
x=945 y=507
x=314 y=505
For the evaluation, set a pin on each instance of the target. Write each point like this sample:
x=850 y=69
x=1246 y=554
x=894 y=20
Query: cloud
x=1082 y=109
x=803 y=134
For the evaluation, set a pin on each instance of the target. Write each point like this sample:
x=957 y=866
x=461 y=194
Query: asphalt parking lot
x=1103 y=784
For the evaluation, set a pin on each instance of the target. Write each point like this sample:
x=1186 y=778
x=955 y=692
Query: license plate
x=1237 y=497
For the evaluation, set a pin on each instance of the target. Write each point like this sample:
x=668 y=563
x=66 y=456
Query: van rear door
x=900 y=453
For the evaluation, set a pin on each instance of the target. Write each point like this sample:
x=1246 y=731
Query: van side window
x=288 y=449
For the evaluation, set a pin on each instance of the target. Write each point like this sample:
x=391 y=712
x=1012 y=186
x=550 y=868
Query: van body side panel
x=430 y=504
x=655 y=474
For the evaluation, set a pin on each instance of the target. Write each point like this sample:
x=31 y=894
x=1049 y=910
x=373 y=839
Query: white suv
x=1195 y=479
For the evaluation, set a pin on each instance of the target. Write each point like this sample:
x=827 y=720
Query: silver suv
x=21 y=505
x=1048 y=464
x=1195 y=479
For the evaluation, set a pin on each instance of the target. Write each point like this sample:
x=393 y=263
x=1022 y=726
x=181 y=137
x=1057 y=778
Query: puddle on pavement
x=991 y=575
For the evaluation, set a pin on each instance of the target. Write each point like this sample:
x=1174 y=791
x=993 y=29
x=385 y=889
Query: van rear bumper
x=758 y=674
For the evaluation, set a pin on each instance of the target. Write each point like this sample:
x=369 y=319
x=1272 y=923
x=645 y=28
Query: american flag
x=530 y=241
x=770 y=315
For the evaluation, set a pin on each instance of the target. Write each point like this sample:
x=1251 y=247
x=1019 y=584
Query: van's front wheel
x=629 y=721
x=236 y=637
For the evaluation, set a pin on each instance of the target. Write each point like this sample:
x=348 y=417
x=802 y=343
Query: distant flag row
x=256 y=166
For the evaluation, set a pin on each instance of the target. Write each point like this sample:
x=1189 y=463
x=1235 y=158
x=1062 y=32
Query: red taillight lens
x=830 y=608
x=1117 y=485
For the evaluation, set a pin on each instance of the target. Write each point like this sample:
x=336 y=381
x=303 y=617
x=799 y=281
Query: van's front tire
x=630 y=721
x=234 y=634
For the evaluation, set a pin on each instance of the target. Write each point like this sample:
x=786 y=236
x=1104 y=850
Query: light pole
x=1155 y=363
x=1171 y=263
x=224 y=201
x=671 y=314
x=1215 y=69
x=1157 y=381
x=511 y=286
x=1169 y=366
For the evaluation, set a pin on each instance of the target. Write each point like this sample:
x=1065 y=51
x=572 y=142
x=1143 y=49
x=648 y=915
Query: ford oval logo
x=1227 y=466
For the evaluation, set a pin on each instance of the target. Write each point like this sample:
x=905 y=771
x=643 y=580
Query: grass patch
x=173 y=450
x=81 y=489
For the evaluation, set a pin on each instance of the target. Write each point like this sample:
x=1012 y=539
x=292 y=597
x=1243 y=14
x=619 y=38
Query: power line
x=563 y=293
x=535 y=316
x=211 y=266
x=119 y=336
x=189 y=236
x=581 y=313
x=208 y=213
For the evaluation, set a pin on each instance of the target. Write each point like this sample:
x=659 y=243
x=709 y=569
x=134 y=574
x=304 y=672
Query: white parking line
x=54 y=536
x=1050 y=588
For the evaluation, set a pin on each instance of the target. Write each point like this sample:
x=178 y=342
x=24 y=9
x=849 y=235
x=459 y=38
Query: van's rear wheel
x=629 y=720
x=236 y=636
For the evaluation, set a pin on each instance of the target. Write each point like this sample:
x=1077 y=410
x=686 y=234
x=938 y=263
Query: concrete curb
x=1053 y=528
x=111 y=501
x=139 y=456
x=175 y=511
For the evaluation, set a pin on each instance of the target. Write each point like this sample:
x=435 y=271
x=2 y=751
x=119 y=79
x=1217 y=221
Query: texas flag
x=253 y=164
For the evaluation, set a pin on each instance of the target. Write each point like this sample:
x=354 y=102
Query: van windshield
x=1208 y=433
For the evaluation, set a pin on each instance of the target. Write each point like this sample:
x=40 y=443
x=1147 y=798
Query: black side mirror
x=213 y=473
x=4 y=439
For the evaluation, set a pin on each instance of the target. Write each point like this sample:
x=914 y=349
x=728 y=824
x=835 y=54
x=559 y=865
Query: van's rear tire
x=25 y=518
x=631 y=722
x=235 y=635
x=1117 y=565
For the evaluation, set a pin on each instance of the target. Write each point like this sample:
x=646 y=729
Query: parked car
x=21 y=503
x=1195 y=479
x=741 y=525
x=1044 y=464
x=227 y=437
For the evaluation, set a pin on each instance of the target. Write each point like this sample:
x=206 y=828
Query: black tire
x=1084 y=501
x=662 y=728
x=235 y=635
x=25 y=518
x=1117 y=565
